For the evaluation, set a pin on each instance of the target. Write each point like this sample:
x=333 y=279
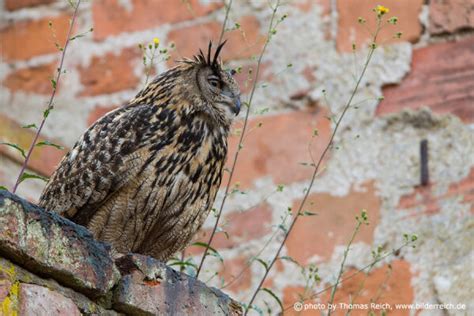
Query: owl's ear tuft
x=206 y=60
x=209 y=48
x=200 y=58
x=218 y=51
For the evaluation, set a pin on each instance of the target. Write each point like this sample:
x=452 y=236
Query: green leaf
x=308 y=213
x=220 y=230
x=288 y=258
x=48 y=143
x=269 y=308
x=27 y=175
x=16 y=146
x=274 y=296
x=263 y=263
x=255 y=308
x=30 y=126
x=47 y=111
x=3 y=188
x=283 y=228
x=214 y=252
x=183 y=264
x=78 y=36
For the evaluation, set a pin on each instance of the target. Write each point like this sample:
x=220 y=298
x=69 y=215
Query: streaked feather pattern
x=145 y=176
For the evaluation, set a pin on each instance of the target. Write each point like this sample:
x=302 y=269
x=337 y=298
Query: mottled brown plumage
x=144 y=177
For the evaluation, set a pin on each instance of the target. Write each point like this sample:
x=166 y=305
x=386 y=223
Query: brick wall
x=426 y=79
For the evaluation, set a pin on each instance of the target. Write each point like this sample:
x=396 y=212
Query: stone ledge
x=46 y=258
x=50 y=245
x=149 y=287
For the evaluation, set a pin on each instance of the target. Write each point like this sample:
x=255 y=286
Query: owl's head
x=213 y=88
x=196 y=86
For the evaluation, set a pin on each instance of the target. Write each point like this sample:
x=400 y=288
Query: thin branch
x=343 y=262
x=239 y=146
x=361 y=285
x=51 y=99
x=227 y=11
x=315 y=172
x=249 y=263
x=370 y=265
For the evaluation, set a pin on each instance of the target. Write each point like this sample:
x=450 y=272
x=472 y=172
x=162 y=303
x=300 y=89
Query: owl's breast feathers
x=143 y=178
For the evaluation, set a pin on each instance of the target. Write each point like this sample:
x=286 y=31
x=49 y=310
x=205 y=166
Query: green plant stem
x=249 y=263
x=354 y=274
x=315 y=172
x=51 y=99
x=149 y=68
x=341 y=269
x=227 y=11
x=239 y=146
x=362 y=284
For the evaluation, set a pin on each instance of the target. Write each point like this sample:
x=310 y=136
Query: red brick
x=449 y=16
x=240 y=227
x=19 y=4
x=27 y=39
x=110 y=73
x=308 y=74
x=43 y=159
x=39 y=300
x=246 y=76
x=424 y=196
x=97 y=113
x=279 y=146
x=381 y=286
x=421 y=196
x=307 y=5
x=336 y=219
x=441 y=78
x=350 y=31
x=34 y=79
x=236 y=274
x=111 y=18
x=242 y=43
x=465 y=187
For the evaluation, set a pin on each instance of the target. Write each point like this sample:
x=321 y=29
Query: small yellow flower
x=380 y=9
x=156 y=41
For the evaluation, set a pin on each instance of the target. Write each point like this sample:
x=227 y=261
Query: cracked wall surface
x=416 y=88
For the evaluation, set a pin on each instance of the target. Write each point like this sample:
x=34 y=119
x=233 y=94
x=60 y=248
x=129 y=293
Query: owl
x=143 y=178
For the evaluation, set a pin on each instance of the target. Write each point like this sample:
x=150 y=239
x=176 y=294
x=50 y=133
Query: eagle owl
x=144 y=176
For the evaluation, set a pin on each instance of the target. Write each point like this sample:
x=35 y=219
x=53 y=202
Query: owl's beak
x=237 y=105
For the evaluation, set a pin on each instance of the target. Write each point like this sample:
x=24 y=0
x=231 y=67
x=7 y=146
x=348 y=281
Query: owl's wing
x=107 y=156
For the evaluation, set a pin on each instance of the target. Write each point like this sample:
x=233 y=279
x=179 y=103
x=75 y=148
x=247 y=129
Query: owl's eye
x=215 y=82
